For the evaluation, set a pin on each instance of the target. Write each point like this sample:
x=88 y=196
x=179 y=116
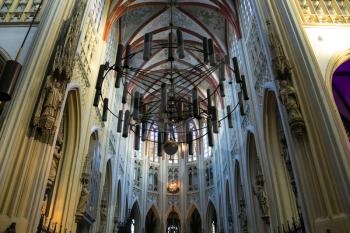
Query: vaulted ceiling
x=197 y=19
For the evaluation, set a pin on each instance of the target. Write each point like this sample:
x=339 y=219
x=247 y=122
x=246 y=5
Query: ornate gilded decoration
x=324 y=11
x=173 y=187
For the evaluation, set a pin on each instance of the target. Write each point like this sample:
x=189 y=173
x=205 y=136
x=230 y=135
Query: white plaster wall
x=11 y=39
x=326 y=42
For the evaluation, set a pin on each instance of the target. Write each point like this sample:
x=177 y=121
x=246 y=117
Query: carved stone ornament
x=50 y=104
x=59 y=73
x=103 y=210
x=56 y=157
x=282 y=71
x=289 y=100
x=84 y=198
x=261 y=196
x=243 y=216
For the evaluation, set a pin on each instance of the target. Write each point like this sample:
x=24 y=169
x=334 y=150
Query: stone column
x=320 y=160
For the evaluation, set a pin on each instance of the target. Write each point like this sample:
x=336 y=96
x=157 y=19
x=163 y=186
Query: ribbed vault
x=196 y=19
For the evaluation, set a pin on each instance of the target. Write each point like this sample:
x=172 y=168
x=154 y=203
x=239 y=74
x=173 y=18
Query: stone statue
x=61 y=71
x=51 y=105
x=83 y=201
x=103 y=215
x=261 y=196
x=289 y=100
x=44 y=206
x=54 y=166
x=56 y=158
x=282 y=70
x=48 y=108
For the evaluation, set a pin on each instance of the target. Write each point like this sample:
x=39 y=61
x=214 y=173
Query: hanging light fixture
x=167 y=99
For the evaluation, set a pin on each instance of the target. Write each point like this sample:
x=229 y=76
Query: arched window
x=341 y=94
x=173 y=223
x=209 y=175
x=190 y=178
x=245 y=13
x=193 y=158
x=152 y=145
x=206 y=148
x=155 y=182
x=174 y=159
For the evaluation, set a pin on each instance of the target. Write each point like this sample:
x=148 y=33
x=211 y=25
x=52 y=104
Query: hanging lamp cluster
x=166 y=101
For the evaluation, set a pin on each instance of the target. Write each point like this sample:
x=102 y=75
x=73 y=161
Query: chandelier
x=165 y=101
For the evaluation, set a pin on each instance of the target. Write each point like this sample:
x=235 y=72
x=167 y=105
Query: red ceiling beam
x=120 y=9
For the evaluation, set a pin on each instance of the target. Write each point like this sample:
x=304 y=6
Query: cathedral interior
x=173 y=116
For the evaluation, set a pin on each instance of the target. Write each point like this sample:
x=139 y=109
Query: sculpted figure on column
x=261 y=196
x=83 y=201
x=60 y=73
x=55 y=160
x=289 y=100
x=48 y=107
x=51 y=105
x=282 y=71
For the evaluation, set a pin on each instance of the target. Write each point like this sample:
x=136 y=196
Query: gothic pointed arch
x=286 y=207
x=340 y=91
x=212 y=218
x=256 y=178
x=173 y=222
x=241 y=206
x=194 y=221
x=58 y=188
x=152 y=221
x=229 y=207
x=106 y=199
x=118 y=204
x=86 y=213
x=135 y=218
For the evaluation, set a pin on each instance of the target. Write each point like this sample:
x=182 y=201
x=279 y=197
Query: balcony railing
x=324 y=11
x=19 y=11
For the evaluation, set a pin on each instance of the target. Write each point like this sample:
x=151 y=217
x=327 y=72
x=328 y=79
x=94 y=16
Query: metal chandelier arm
x=171 y=104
